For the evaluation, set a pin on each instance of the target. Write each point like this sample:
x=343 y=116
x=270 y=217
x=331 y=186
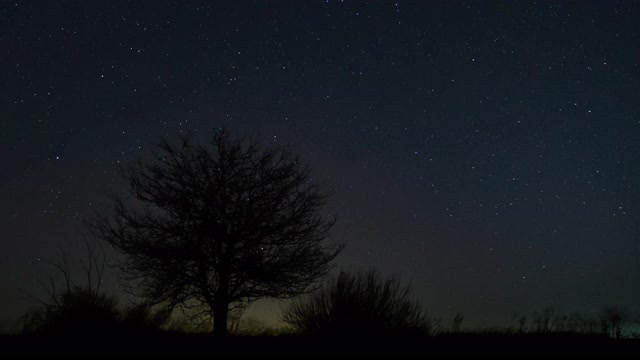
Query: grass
x=171 y=343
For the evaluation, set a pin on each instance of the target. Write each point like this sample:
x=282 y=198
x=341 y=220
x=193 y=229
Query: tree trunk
x=220 y=315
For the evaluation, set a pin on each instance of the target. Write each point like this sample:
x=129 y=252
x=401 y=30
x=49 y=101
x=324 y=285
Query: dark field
x=178 y=345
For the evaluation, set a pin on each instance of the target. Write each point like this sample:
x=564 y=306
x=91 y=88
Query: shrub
x=80 y=311
x=360 y=303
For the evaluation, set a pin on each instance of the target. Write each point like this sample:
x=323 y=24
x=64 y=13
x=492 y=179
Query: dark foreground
x=180 y=345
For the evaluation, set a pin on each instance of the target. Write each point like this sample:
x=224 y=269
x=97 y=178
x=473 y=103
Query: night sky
x=488 y=152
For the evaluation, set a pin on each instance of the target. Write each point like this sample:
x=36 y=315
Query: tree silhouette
x=457 y=321
x=612 y=320
x=359 y=304
x=217 y=226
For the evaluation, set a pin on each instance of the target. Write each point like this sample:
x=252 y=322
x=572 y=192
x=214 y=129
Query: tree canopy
x=219 y=225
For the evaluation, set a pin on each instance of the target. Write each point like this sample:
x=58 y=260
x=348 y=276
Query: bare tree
x=217 y=226
x=543 y=321
x=457 y=321
x=522 y=324
x=613 y=319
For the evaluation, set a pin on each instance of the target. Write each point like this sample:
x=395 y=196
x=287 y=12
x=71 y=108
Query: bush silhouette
x=142 y=318
x=359 y=304
x=87 y=313
x=78 y=311
x=85 y=310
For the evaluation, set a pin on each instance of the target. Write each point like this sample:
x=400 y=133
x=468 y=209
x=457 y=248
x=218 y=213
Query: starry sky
x=488 y=152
